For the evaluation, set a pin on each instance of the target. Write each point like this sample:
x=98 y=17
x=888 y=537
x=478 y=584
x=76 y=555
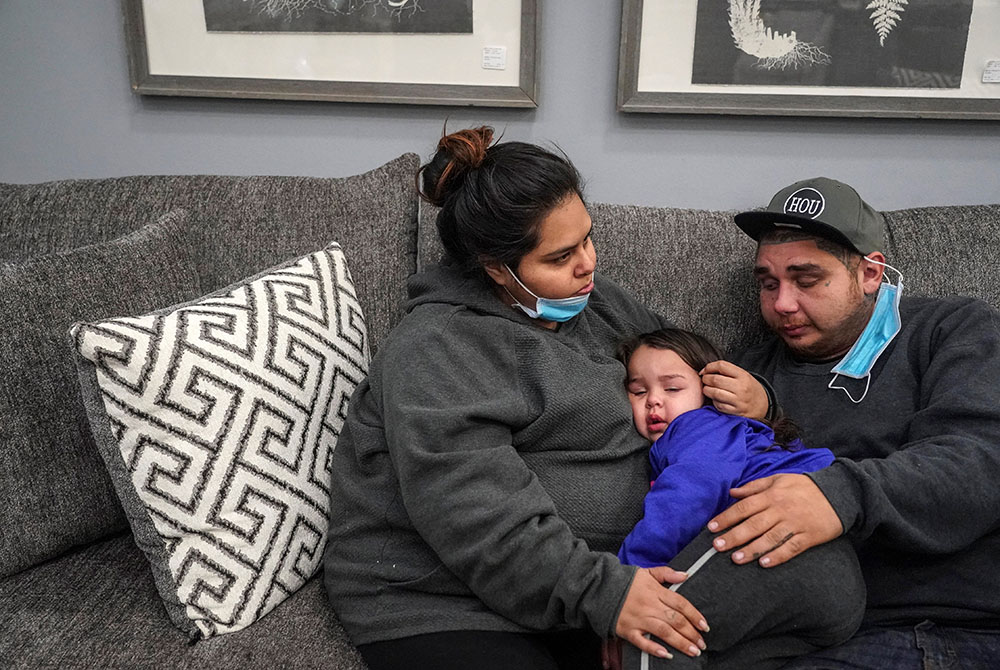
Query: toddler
x=698 y=453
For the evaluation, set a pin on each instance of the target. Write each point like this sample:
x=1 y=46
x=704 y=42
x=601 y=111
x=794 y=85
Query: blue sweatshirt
x=702 y=455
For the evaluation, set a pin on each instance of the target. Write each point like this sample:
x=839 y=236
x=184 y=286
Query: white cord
x=697 y=565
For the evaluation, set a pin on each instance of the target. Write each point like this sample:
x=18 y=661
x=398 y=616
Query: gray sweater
x=917 y=481
x=488 y=469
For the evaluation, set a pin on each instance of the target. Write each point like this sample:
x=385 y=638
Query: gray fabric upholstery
x=246 y=224
x=98 y=608
x=946 y=250
x=55 y=492
x=694 y=265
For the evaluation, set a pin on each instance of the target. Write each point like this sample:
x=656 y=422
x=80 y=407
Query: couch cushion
x=217 y=420
x=691 y=265
x=946 y=250
x=247 y=224
x=55 y=492
x=98 y=608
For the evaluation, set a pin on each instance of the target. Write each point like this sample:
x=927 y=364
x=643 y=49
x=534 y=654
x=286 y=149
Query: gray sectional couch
x=75 y=591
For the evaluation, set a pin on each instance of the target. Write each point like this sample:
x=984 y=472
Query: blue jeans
x=925 y=646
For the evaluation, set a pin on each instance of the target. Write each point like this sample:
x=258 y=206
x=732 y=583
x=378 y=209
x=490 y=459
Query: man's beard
x=841 y=337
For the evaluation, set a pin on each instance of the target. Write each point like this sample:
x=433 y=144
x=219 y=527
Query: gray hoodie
x=488 y=469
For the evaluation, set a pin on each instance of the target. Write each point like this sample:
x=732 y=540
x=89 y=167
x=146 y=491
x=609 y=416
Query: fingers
x=753 y=487
x=718 y=395
x=749 y=504
x=745 y=533
x=675 y=603
x=777 y=519
x=651 y=608
x=645 y=644
x=676 y=630
x=662 y=573
x=788 y=547
x=762 y=548
x=684 y=617
x=723 y=368
x=761 y=538
x=720 y=384
x=733 y=390
x=724 y=399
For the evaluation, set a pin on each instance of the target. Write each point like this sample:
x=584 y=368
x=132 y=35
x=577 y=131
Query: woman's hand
x=651 y=608
x=733 y=390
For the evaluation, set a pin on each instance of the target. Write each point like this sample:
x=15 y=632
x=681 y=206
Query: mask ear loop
x=868 y=377
x=868 y=381
x=886 y=265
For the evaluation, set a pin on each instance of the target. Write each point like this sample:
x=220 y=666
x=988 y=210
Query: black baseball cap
x=822 y=207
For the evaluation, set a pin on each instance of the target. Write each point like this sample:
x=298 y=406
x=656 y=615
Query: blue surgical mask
x=549 y=309
x=882 y=327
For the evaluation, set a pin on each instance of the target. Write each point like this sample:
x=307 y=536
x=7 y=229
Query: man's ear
x=871 y=273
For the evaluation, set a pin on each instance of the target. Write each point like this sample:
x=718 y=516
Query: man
x=904 y=392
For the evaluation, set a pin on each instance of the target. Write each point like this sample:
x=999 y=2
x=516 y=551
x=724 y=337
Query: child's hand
x=651 y=608
x=733 y=390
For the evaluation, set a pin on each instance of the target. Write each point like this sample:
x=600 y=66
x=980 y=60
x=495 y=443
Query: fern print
x=885 y=16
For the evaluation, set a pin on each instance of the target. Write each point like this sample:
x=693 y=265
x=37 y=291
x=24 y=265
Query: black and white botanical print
x=339 y=16
x=857 y=43
x=772 y=49
x=884 y=16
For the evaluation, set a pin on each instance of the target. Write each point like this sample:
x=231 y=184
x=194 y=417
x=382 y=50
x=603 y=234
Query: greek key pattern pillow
x=217 y=420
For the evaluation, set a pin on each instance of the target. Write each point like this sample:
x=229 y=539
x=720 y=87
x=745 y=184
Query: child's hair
x=697 y=352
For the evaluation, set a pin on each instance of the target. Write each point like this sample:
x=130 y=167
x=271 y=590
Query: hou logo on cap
x=807 y=202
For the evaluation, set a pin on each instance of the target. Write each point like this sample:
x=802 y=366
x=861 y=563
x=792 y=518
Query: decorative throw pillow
x=54 y=490
x=217 y=420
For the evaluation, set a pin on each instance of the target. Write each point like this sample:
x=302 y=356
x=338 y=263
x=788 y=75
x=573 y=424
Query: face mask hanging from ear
x=882 y=327
x=549 y=309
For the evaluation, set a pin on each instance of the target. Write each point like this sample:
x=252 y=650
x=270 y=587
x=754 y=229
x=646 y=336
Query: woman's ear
x=871 y=273
x=496 y=271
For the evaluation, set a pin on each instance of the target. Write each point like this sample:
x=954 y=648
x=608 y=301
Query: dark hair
x=493 y=196
x=697 y=352
x=843 y=253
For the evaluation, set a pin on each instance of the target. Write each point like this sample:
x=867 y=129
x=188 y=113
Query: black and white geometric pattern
x=226 y=412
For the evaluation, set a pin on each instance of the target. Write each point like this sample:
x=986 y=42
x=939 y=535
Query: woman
x=487 y=470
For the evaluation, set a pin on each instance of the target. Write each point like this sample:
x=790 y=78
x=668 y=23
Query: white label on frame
x=991 y=75
x=494 y=58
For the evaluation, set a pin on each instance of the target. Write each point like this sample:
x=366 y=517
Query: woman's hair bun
x=457 y=154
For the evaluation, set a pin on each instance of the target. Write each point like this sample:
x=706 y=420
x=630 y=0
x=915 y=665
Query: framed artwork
x=424 y=52
x=872 y=58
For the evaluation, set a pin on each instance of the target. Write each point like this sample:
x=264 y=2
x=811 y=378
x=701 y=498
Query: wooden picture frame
x=685 y=57
x=172 y=52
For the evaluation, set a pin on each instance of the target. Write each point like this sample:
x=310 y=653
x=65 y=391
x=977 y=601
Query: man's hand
x=779 y=516
x=733 y=390
x=651 y=608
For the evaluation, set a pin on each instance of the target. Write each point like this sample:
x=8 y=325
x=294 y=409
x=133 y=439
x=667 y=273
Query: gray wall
x=66 y=111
